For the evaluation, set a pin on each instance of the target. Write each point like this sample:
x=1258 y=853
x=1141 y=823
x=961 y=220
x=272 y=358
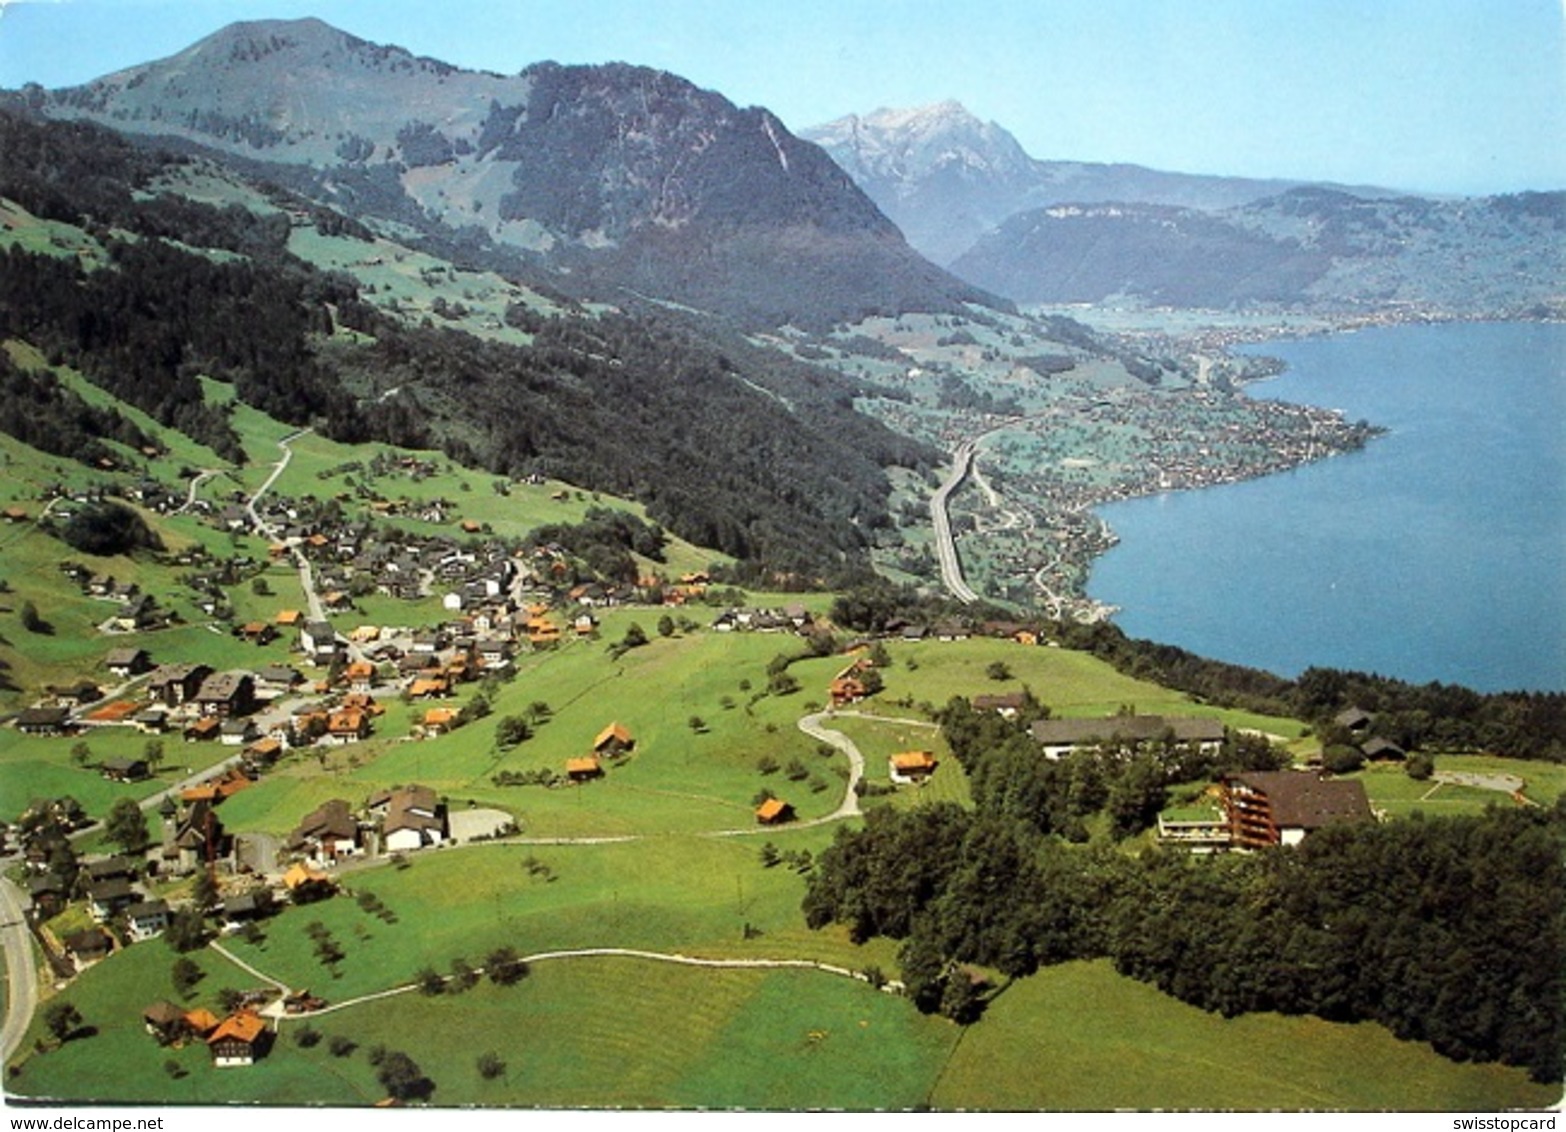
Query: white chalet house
x=413 y=818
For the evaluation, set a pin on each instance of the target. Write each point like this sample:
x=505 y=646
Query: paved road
x=849 y=807
x=22 y=990
x=940 y=514
x=265 y=530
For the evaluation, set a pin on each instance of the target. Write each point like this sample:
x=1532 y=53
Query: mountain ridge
x=627 y=175
x=945 y=177
x=1310 y=247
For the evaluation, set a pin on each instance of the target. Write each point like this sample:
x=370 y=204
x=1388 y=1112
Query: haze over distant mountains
x=619 y=176
x=946 y=178
x=967 y=195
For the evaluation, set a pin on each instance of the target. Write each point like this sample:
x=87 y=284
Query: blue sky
x=1461 y=96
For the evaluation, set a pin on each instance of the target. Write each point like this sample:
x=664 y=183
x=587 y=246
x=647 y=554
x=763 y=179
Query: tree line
x=761 y=457
x=1433 y=716
x=1450 y=931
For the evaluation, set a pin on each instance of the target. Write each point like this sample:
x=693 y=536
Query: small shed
x=613 y=740
x=774 y=811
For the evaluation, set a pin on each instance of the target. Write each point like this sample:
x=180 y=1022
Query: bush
x=1342 y=759
x=490 y=1066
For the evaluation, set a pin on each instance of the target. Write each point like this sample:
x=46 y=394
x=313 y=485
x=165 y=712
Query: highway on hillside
x=945 y=544
x=22 y=991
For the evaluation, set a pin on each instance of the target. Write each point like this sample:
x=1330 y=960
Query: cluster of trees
x=1450 y=931
x=108 y=528
x=1009 y=777
x=37 y=410
x=604 y=541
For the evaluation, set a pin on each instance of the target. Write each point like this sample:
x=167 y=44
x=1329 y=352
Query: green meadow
x=632 y=1032
x=661 y=853
x=1079 y=1037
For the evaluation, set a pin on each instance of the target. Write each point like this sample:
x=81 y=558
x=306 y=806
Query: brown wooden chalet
x=1280 y=807
x=43 y=720
x=238 y=1040
x=226 y=694
x=173 y=684
x=613 y=740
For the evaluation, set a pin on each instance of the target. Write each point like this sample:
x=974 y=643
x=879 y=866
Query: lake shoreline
x=1434 y=551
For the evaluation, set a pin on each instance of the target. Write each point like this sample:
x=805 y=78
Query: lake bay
x=1436 y=553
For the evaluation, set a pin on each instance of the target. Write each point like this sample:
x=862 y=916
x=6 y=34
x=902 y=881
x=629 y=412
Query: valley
x=591 y=883
x=530 y=592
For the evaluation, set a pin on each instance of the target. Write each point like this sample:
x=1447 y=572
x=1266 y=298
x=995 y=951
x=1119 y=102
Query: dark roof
x=223 y=686
x=111 y=867
x=1353 y=718
x=1379 y=748
x=115 y=888
x=1012 y=700
x=331 y=819
x=89 y=941
x=164 y=1014
x=44 y=885
x=413 y=807
x=43 y=717
x=1131 y=728
x=175 y=673
x=245 y=904
x=1303 y=800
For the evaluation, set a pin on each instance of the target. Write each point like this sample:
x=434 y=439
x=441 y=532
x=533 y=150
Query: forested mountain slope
x=620 y=175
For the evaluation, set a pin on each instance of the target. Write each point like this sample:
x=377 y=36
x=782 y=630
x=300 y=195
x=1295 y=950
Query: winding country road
x=265 y=529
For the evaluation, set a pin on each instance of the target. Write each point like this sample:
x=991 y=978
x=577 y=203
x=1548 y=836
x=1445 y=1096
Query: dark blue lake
x=1437 y=553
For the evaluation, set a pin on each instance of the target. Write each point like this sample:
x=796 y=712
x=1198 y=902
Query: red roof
x=244 y=1026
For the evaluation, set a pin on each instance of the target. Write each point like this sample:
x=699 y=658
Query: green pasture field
x=1069 y=683
x=21 y=229
x=1078 y=1037
x=676 y=779
x=692 y=895
x=576 y=1032
x=396 y=277
x=1390 y=788
x=35 y=766
x=878 y=740
x=625 y=1032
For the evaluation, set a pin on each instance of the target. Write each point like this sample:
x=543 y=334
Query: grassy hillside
x=663 y=853
x=1079 y=1037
